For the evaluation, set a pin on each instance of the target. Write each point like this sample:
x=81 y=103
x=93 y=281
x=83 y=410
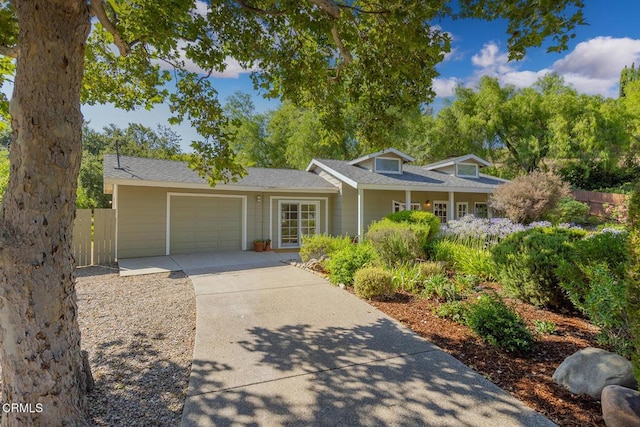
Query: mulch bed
x=528 y=379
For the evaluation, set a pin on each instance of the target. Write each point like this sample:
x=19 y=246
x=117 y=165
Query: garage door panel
x=200 y=224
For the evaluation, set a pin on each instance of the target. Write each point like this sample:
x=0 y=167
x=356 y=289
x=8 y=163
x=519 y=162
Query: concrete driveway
x=276 y=345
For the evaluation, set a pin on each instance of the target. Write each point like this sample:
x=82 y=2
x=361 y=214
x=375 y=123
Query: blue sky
x=592 y=63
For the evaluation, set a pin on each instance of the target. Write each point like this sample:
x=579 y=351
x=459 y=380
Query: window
x=462 y=208
x=467 y=169
x=440 y=211
x=384 y=164
x=399 y=206
x=481 y=210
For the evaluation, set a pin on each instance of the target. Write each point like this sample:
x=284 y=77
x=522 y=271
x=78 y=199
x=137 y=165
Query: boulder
x=620 y=406
x=592 y=369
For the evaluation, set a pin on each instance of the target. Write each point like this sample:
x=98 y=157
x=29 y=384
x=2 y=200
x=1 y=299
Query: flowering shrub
x=471 y=230
x=527 y=198
x=618 y=213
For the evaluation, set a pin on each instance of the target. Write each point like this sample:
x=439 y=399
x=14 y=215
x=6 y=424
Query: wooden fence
x=94 y=236
x=596 y=200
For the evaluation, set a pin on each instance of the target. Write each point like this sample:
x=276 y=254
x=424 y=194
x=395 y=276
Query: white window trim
x=475 y=207
x=402 y=206
x=466 y=205
x=294 y=200
x=244 y=214
x=375 y=165
x=446 y=204
x=467 y=176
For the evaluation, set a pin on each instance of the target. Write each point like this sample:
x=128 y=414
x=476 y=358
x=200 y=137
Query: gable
x=464 y=166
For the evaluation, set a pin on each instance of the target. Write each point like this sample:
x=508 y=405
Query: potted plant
x=267 y=244
x=258 y=245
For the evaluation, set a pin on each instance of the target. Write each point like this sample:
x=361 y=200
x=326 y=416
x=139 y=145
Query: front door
x=296 y=220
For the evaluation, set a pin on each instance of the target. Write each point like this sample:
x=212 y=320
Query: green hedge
x=344 y=263
x=373 y=282
x=499 y=325
x=526 y=264
x=319 y=245
x=633 y=277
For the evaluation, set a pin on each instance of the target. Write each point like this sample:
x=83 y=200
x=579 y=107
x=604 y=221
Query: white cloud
x=592 y=67
x=201 y=8
x=444 y=87
x=523 y=78
x=593 y=86
x=453 y=55
x=232 y=70
x=600 y=58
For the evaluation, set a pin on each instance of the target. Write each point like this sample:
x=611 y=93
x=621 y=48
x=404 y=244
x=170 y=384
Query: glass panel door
x=440 y=211
x=307 y=218
x=297 y=219
x=289 y=224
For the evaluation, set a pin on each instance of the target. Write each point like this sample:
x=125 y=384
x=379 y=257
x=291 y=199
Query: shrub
x=544 y=327
x=569 y=209
x=606 y=248
x=440 y=287
x=372 y=282
x=464 y=258
x=397 y=243
x=344 y=263
x=605 y=303
x=452 y=310
x=499 y=325
x=470 y=229
x=466 y=282
x=526 y=263
x=318 y=245
x=633 y=277
x=421 y=218
x=408 y=277
x=528 y=197
x=430 y=268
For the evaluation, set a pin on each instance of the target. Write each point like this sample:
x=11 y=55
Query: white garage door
x=202 y=224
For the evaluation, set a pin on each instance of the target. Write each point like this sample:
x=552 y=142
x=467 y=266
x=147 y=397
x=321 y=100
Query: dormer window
x=467 y=170
x=388 y=165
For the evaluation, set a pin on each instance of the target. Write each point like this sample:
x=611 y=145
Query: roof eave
x=222 y=187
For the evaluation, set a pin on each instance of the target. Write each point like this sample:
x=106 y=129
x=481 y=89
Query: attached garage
x=204 y=222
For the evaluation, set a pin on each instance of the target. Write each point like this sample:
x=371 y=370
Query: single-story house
x=163 y=207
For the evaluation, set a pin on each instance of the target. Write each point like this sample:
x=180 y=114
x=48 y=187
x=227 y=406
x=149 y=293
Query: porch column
x=452 y=207
x=360 y=213
x=407 y=200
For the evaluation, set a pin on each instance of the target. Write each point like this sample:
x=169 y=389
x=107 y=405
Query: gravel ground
x=139 y=332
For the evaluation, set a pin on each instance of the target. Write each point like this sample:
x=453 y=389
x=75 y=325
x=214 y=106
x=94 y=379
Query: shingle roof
x=170 y=171
x=413 y=176
x=453 y=160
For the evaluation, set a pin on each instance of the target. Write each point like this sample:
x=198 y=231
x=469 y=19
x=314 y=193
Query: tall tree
x=521 y=128
x=380 y=53
x=135 y=140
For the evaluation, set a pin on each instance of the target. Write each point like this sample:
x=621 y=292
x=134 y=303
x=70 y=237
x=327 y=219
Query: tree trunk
x=41 y=360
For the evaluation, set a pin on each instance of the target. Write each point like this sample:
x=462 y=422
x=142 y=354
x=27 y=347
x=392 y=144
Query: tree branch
x=341 y=47
x=329 y=6
x=98 y=9
x=359 y=10
x=260 y=11
x=10 y=51
x=332 y=9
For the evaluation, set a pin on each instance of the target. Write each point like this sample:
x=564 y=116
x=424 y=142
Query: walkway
x=276 y=345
